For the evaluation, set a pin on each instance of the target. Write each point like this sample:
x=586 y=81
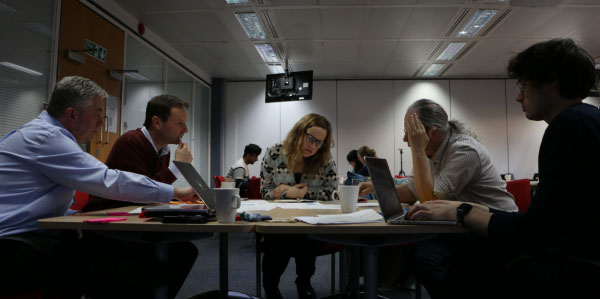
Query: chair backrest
x=81 y=199
x=218 y=179
x=253 y=191
x=520 y=190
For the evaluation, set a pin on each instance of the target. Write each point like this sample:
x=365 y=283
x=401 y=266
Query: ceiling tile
x=370 y=69
x=565 y=21
x=305 y=51
x=293 y=2
x=183 y=27
x=341 y=2
x=386 y=23
x=342 y=23
x=375 y=50
x=412 y=50
x=331 y=71
x=522 y=21
x=401 y=69
x=340 y=50
x=299 y=23
x=141 y=6
x=428 y=22
x=483 y=53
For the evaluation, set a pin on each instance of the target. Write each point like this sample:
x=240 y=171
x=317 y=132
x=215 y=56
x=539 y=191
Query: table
x=168 y=232
x=369 y=236
x=366 y=235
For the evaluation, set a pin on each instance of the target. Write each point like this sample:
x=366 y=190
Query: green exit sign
x=95 y=50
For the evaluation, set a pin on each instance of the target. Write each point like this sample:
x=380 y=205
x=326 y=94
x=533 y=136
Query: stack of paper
x=363 y=216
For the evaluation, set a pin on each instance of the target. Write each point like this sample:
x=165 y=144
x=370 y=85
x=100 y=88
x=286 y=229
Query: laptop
x=200 y=187
x=385 y=189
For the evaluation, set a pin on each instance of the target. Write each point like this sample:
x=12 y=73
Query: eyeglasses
x=313 y=140
x=521 y=87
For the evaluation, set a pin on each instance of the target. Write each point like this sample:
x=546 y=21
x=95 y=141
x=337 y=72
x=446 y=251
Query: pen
x=117 y=214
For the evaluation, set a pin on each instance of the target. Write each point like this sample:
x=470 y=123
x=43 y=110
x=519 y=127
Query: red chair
x=81 y=199
x=253 y=191
x=218 y=179
x=520 y=190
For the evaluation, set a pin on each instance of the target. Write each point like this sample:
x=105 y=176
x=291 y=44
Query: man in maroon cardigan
x=146 y=150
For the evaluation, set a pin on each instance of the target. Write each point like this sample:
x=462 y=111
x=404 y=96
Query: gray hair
x=73 y=91
x=432 y=115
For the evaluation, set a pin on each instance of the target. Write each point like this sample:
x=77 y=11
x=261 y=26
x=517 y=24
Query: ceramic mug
x=348 y=196
x=227 y=201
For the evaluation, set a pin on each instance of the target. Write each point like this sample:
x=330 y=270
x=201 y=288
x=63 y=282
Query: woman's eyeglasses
x=313 y=140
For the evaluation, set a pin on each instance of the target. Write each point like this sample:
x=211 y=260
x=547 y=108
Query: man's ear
x=156 y=122
x=432 y=132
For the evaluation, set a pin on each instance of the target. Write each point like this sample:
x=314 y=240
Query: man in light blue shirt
x=41 y=164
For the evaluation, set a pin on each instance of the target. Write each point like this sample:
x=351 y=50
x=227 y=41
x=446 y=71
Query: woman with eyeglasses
x=301 y=167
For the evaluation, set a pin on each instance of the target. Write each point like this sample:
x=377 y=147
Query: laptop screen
x=385 y=189
x=195 y=180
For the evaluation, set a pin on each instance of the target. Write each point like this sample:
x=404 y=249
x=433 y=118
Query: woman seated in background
x=301 y=167
x=353 y=160
x=365 y=151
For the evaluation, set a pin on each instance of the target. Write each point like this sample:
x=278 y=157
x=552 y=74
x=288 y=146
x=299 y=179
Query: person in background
x=353 y=160
x=41 y=164
x=239 y=170
x=553 y=77
x=301 y=167
x=365 y=151
x=146 y=150
x=448 y=163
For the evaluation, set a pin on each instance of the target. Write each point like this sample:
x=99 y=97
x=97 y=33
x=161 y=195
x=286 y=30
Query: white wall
x=371 y=112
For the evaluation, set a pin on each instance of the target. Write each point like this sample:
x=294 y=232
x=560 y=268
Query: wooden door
x=78 y=24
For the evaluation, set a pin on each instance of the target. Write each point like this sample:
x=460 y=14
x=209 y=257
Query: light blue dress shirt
x=41 y=165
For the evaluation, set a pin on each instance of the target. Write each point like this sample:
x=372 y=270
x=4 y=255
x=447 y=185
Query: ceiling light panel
x=451 y=50
x=267 y=53
x=238 y=2
x=136 y=76
x=276 y=68
x=477 y=21
x=434 y=70
x=251 y=24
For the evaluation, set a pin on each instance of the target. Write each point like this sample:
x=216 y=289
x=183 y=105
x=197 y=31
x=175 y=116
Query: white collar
x=163 y=151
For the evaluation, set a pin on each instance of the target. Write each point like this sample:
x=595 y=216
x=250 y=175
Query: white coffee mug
x=348 y=197
x=227 y=185
x=227 y=201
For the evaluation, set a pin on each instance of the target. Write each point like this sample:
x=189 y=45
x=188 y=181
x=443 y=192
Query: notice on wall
x=112 y=114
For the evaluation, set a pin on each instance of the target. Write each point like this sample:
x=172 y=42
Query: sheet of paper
x=136 y=211
x=308 y=206
x=112 y=114
x=255 y=205
x=368 y=204
x=362 y=216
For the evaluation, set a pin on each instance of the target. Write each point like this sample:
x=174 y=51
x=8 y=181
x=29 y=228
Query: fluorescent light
x=251 y=25
x=238 y=2
x=136 y=76
x=267 y=53
x=20 y=68
x=433 y=69
x=276 y=68
x=451 y=50
x=477 y=21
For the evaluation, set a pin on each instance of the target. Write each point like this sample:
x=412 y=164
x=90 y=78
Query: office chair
x=521 y=191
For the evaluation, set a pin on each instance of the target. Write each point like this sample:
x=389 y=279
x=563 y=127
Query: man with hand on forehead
x=146 y=150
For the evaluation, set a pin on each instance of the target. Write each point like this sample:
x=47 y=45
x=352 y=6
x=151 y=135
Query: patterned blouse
x=274 y=172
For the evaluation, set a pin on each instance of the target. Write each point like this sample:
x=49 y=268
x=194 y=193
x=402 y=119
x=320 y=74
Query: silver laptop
x=385 y=189
x=198 y=184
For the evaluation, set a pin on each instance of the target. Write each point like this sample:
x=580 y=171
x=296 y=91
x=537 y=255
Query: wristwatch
x=283 y=194
x=462 y=211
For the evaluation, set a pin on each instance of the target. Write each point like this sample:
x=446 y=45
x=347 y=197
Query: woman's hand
x=434 y=210
x=415 y=131
x=297 y=191
x=279 y=190
x=365 y=188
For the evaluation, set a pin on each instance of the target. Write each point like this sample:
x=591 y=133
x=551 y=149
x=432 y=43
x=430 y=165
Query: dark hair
x=353 y=157
x=161 y=106
x=557 y=60
x=252 y=149
x=73 y=91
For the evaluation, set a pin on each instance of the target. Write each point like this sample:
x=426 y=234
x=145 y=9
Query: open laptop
x=200 y=187
x=383 y=182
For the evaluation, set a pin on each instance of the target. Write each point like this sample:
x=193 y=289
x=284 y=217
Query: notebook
x=385 y=189
x=200 y=187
